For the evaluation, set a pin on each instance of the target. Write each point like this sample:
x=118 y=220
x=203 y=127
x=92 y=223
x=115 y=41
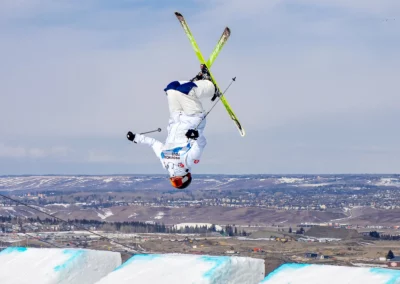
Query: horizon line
x=265 y=174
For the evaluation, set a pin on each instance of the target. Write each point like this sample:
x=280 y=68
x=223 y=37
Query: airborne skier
x=185 y=141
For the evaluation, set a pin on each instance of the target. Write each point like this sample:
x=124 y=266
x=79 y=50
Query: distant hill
x=169 y=215
x=277 y=183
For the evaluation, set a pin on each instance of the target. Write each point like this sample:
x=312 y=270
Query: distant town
x=340 y=219
x=339 y=201
x=311 y=193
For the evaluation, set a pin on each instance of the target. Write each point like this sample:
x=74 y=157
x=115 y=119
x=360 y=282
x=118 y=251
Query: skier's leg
x=191 y=103
x=205 y=89
x=174 y=103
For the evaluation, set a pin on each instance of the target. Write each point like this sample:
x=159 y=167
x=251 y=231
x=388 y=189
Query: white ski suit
x=178 y=154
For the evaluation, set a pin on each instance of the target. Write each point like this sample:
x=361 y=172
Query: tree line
x=123 y=227
x=386 y=237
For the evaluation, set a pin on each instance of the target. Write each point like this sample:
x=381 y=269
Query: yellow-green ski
x=220 y=44
x=209 y=63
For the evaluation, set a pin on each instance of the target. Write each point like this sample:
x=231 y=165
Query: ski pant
x=190 y=104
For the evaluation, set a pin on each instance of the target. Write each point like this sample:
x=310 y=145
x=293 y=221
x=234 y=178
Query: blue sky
x=317 y=84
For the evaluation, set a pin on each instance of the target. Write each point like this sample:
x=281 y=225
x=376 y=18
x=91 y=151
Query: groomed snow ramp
x=183 y=268
x=21 y=265
x=329 y=274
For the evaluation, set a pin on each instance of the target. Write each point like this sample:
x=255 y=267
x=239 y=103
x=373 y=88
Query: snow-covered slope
x=178 y=268
x=329 y=274
x=45 y=266
x=212 y=182
x=70 y=182
x=30 y=265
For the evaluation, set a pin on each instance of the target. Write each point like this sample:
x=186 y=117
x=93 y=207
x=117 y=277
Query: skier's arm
x=196 y=151
x=153 y=143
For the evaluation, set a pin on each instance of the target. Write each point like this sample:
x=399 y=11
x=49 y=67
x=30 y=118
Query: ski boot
x=204 y=74
x=207 y=76
x=217 y=93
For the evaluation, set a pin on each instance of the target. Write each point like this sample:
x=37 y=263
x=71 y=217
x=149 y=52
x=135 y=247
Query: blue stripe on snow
x=284 y=267
x=13 y=249
x=394 y=274
x=139 y=257
x=73 y=255
x=217 y=261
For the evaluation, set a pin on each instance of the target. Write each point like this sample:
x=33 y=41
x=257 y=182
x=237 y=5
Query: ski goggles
x=179 y=181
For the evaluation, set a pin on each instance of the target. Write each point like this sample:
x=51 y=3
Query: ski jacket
x=178 y=154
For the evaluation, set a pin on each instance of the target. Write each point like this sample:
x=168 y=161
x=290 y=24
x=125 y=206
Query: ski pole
x=157 y=130
x=219 y=98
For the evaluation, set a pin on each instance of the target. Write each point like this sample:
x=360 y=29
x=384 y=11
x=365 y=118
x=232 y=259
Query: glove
x=192 y=134
x=130 y=136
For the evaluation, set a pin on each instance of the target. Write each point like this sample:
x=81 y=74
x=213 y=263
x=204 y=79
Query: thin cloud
x=7 y=151
x=84 y=79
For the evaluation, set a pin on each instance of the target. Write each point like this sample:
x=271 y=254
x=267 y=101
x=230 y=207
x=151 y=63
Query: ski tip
x=239 y=126
x=227 y=31
x=241 y=130
x=179 y=16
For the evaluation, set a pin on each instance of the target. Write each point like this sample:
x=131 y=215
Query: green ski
x=209 y=63
x=220 y=44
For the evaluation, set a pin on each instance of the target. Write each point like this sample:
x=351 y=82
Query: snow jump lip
x=50 y=265
x=187 y=268
x=296 y=273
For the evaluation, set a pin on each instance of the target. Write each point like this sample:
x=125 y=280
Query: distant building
x=395 y=262
x=311 y=255
x=324 y=256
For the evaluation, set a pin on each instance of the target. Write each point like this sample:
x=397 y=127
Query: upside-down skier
x=185 y=141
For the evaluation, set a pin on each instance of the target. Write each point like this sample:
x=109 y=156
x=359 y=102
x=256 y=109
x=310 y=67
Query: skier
x=185 y=141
